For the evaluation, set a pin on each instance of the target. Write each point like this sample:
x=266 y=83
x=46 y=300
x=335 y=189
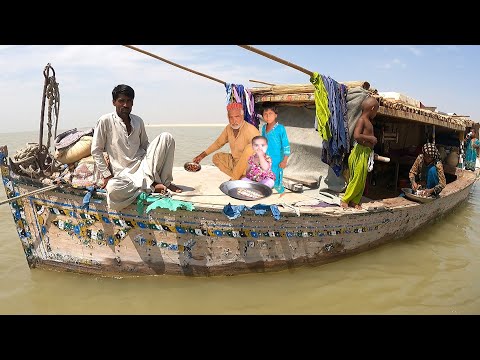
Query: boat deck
x=203 y=190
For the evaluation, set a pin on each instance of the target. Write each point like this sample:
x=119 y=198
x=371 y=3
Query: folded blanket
x=70 y=137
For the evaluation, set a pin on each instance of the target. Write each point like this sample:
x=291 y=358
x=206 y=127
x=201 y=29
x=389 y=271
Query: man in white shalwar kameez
x=136 y=165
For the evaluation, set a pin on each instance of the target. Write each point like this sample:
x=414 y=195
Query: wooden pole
x=263 y=53
x=50 y=187
x=261 y=82
x=172 y=63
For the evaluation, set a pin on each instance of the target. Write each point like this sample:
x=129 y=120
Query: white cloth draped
x=156 y=166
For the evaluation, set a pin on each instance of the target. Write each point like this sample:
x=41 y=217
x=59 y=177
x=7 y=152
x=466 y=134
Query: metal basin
x=245 y=190
x=410 y=195
x=192 y=166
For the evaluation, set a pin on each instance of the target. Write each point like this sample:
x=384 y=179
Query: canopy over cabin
x=402 y=126
x=303 y=95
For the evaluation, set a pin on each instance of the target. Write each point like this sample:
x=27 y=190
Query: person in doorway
x=278 y=144
x=471 y=147
x=435 y=176
x=136 y=165
x=259 y=168
x=238 y=134
x=358 y=159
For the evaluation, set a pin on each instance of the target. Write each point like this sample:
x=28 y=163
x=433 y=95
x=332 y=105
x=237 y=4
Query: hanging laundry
x=335 y=148
x=322 y=111
x=239 y=94
x=86 y=199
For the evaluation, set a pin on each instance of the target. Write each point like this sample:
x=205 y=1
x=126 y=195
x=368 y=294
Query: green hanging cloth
x=321 y=106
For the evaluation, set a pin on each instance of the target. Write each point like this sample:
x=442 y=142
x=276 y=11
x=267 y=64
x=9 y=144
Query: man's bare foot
x=174 y=188
x=343 y=204
x=160 y=188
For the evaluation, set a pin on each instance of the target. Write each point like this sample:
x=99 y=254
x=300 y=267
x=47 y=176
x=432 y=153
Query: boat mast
x=275 y=58
x=174 y=64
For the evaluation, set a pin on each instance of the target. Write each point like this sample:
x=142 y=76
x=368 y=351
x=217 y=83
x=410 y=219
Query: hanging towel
x=371 y=161
x=322 y=111
x=86 y=199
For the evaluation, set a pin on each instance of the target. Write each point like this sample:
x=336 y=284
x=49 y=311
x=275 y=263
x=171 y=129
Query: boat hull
x=58 y=233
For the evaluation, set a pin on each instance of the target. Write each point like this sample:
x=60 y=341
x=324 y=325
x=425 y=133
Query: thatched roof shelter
x=303 y=94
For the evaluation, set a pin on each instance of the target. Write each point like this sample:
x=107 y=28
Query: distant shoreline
x=182 y=125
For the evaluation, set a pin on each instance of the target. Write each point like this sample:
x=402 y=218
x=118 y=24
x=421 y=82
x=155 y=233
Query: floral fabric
x=256 y=173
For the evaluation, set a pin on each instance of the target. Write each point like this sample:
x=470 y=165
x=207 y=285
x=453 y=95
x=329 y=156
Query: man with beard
x=238 y=134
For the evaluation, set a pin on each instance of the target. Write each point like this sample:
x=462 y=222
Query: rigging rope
x=35 y=160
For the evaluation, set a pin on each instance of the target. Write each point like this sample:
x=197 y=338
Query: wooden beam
x=400 y=114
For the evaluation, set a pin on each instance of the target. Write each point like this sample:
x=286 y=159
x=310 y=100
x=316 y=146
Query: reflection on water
x=435 y=271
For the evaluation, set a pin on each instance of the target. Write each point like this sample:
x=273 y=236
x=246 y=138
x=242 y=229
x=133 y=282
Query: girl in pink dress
x=259 y=168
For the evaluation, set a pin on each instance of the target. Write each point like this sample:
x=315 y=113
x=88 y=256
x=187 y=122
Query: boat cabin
x=402 y=126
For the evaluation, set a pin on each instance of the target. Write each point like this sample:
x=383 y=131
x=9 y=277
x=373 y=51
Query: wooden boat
x=57 y=232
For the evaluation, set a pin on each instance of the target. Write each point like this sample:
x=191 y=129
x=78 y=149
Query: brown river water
x=434 y=271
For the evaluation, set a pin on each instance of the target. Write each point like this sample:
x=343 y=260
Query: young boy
x=358 y=159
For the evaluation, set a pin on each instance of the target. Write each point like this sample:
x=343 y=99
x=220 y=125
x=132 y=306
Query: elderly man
x=238 y=134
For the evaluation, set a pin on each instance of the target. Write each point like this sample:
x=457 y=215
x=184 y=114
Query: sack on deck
x=73 y=145
x=80 y=149
x=86 y=173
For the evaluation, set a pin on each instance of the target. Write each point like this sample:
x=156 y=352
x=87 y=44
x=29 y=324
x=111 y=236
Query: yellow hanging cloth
x=321 y=106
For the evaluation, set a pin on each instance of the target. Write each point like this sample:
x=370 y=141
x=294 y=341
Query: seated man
x=430 y=158
x=239 y=135
x=136 y=164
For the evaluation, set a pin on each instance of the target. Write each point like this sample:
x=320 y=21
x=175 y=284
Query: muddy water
x=435 y=271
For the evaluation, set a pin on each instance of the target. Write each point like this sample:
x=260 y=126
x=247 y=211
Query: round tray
x=192 y=166
x=245 y=190
x=410 y=195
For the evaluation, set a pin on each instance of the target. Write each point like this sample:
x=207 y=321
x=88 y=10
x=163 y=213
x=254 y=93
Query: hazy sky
x=445 y=76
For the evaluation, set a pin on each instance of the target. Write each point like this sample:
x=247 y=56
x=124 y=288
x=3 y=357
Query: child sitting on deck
x=259 y=166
